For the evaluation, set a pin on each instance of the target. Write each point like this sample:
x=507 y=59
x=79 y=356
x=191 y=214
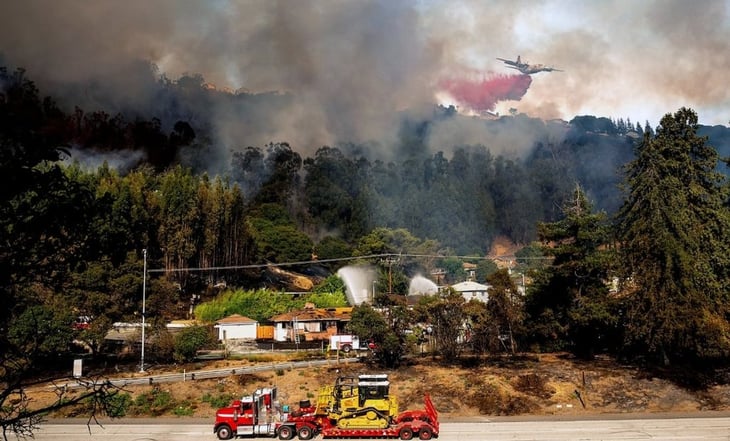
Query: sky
x=354 y=64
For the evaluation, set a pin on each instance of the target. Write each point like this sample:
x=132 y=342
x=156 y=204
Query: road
x=673 y=429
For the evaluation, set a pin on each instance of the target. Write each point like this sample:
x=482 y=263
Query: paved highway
x=674 y=429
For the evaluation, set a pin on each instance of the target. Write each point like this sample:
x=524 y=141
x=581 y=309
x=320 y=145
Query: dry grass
x=539 y=385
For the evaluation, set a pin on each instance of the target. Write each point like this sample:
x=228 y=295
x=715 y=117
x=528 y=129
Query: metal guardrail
x=213 y=373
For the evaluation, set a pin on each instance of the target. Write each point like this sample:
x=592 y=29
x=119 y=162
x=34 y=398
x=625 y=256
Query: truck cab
x=253 y=415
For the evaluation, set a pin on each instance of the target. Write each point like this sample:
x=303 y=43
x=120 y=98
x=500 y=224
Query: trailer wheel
x=286 y=432
x=425 y=433
x=305 y=433
x=346 y=349
x=224 y=432
x=406 y=433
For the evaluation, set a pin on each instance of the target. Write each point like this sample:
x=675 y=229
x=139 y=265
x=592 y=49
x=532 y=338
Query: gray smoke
x=351 y=67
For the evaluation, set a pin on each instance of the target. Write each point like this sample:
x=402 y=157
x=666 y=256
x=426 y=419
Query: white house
x=235 y=327
x=472 y=290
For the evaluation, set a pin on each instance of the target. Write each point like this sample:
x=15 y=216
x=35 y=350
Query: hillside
x=545 y=384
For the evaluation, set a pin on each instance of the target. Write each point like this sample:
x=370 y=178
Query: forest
x=623 y=227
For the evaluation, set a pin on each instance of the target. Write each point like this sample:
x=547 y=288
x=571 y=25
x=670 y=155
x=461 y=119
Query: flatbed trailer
x=261 y=415
x=422 y=424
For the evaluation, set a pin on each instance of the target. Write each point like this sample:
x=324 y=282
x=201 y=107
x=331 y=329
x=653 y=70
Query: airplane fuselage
x=526 y=68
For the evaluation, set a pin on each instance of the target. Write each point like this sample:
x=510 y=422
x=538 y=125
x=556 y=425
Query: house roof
x=182 y=323
x=470 y=287
x=315 y=315
x=235 y=319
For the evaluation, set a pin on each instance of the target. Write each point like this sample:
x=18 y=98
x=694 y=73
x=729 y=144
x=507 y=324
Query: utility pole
x=144 y=300
x=390 y=261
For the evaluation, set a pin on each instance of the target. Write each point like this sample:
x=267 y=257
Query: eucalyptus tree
x=179 y=214
x=332 y=191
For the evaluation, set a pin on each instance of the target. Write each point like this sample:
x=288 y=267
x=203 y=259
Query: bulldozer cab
x=372 y=387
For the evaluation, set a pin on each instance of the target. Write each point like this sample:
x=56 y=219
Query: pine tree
x=673 y=233
x=570 y=299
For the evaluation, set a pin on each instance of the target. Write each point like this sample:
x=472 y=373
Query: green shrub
x=184 y=408
x=118 y=405
x=155 y=403
x=218 y=401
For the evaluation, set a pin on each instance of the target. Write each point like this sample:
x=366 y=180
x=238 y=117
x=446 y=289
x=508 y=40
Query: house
x=470 y=269
x=236 y=327
x=472 y=290
x=311 y=323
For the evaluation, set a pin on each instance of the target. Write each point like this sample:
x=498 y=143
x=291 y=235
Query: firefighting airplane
x=527 y=68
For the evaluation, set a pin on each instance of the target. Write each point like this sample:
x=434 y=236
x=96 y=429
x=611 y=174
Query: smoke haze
x=346 y=70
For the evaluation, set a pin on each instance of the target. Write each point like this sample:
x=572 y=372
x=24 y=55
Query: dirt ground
x=544 y=384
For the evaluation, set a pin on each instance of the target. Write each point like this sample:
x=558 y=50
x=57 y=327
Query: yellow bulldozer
x=358 y=403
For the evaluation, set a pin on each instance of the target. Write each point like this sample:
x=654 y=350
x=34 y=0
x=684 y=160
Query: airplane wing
x=510 y=62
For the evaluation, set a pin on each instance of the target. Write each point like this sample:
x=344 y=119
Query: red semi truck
x=254 y=415
x=347 y=410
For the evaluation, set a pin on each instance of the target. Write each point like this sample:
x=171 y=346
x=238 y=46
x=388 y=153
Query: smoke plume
x=349 y=69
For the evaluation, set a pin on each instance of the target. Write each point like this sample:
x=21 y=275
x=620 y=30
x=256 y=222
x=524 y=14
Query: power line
x=267 y=265
x=340 y=259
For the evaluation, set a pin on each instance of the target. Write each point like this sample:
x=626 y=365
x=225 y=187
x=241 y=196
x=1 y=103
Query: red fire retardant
x=486 y=93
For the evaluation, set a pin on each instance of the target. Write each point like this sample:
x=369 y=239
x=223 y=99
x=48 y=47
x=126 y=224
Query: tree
x=530 y=258
x=247 y=168
x=331 y=247
x=569 y=304
x=42 y=236
x=454 y=268
x=330 y=293
x=506 y=308
x=447 y=318
x=178 y=216
x=673 y=229
x=281 y=184
x=190 y=340
x=386 y=332
x=331 y=189
x=385 y=241
x=275 y=236
x=39 y=337
x=480 y=325
x=485 y=268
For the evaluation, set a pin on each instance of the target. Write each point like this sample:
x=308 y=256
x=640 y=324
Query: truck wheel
x=346 y=349
x=406 y=433
x=425 y=433
x=286 y=432
x=305 y=433
x=224 y=432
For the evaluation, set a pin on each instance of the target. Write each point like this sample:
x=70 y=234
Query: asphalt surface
x=709 y=427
